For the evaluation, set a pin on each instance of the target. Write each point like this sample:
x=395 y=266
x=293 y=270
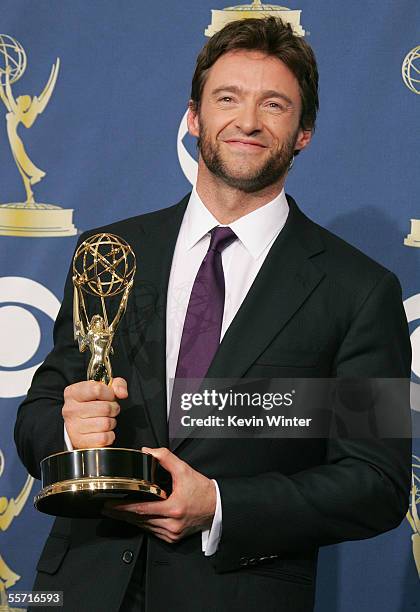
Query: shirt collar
x=255 y=230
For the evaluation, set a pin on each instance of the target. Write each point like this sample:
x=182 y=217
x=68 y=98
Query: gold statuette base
x=35 y=220
x=256 y=10
x=413 y=239
x=85 y=497
x=77 y=483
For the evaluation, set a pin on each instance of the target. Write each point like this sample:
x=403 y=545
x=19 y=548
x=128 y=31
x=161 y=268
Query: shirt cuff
x=69 y=445
x=210 y=538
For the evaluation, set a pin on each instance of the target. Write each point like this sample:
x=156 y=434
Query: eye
x=225 y=99
x=275 y=106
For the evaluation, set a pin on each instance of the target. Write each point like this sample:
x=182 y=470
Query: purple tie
x=203 y=321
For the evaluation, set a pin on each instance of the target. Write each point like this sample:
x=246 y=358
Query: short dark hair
x=273 y=37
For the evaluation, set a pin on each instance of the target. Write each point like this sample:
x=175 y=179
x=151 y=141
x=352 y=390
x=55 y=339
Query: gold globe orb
x=103 y=265
x=411 y=70
x=12 y=54
x=415 y=497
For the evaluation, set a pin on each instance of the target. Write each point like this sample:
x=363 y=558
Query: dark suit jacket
x=318 y=308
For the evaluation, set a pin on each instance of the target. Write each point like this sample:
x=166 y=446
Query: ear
x=303 y=139
x=192 y=120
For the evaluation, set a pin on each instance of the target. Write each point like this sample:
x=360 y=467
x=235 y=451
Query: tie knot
x=221 y=237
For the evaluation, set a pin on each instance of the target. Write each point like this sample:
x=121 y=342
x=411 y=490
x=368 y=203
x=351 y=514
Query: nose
x=247 y=119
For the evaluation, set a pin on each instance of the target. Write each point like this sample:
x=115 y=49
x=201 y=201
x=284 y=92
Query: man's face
x=248 y=122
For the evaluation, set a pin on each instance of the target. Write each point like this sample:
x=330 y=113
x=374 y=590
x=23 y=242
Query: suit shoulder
x=347 y=267
x=343 y=253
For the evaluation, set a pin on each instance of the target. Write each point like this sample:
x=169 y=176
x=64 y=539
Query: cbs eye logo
x=25 y=307
x=412 y=311
x=187 y=162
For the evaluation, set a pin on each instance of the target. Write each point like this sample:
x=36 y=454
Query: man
x=245 y=518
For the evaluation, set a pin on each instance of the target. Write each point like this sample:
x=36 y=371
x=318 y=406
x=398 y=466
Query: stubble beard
x=274 y=168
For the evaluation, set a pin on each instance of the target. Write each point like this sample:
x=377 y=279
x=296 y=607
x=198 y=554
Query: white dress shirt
x=241 y=262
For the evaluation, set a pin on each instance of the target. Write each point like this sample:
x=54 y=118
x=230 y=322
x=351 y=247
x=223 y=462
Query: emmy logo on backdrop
x=28 y=218
x=413 y=513
x=411 y=78
x=256 y=10
x=9 y=510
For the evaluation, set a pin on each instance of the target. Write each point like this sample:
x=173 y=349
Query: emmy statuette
x=77 y=483
x=411 y=76
x=27 y=217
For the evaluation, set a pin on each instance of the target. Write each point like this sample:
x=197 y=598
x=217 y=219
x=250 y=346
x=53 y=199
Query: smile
x=245 y=146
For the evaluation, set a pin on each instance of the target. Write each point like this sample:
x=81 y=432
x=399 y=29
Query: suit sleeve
x=363 y=487
x=39 y=428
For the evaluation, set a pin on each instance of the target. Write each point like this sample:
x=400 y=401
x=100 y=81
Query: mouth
x=245 y=145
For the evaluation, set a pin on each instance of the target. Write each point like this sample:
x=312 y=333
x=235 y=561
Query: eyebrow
x=268 y=93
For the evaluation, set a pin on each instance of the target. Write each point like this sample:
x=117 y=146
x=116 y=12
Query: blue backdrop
x=110 y=142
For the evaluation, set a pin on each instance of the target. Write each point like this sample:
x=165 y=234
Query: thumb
x=119 y=386
x=167 y=460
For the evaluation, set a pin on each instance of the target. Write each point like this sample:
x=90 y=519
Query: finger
x=169 y=525
x=128 y=517
x=120 y=508
x=162 y=534
x=88 y=391
x=119 y=386
x=94 y=440
x=158 y=531
x=96 y=425
x=87 y=410
x=164 y=538
x=120 y=515
x=134 y=519
x=172 y=537
x=144 y=509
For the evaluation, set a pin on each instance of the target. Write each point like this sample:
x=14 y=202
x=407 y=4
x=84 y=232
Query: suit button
x=243 y=561
x=127 y=556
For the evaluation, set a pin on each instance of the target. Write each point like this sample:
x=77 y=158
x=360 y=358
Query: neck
x=226 y=203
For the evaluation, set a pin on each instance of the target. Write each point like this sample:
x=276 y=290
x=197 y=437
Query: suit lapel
x=286 y=279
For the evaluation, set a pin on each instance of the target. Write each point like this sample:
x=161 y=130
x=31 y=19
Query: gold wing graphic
x=8 y=578
x=10 y=509
x=413 y=513
x=41 y=101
